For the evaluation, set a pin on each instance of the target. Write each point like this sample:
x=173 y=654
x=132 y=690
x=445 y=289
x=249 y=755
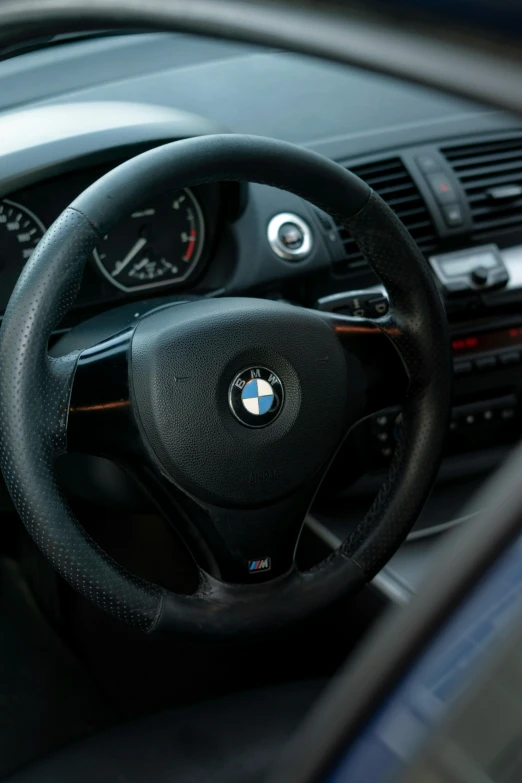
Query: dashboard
x=451 y=170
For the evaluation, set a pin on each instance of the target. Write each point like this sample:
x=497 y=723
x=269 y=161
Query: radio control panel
x=474 y=269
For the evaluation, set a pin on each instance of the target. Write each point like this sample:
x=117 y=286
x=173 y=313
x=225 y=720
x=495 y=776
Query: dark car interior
x=261 y=347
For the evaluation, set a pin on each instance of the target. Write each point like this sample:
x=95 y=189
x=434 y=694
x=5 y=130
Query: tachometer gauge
x=20 y=232
x=158 y=245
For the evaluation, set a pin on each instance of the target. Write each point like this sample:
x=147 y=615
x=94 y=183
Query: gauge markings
x=24 y=230
x=150 y=269
x=157 y=245
x=143 y=213
x=27 y=236
x=191 y=239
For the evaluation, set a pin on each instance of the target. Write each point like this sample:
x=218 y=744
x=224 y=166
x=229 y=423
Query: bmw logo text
x=256 y=396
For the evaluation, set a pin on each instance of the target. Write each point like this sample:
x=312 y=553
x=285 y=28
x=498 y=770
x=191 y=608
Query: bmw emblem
x=256 y=396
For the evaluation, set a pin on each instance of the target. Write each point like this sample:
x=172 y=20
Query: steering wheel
x=228 y=410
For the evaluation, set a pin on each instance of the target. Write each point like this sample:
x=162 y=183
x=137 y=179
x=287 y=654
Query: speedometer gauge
x=20 y=232
x=158 y=245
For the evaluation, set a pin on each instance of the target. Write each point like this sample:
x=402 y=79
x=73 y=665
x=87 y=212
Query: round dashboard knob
x=480 y=275
x=290 y=237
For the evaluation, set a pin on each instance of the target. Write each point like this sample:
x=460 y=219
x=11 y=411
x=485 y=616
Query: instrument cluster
x=165 y=244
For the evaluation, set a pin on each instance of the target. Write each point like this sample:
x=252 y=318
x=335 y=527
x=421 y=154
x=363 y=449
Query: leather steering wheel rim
x=35 y=389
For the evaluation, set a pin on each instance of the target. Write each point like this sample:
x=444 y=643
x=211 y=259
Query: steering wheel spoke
x=374 y=343
x=233 y=545
x=100 y=420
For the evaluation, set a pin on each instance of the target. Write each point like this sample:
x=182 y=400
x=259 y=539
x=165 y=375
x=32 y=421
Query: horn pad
x=241 y=401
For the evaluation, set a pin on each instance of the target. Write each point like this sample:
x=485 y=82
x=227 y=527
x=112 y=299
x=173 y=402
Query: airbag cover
x=183 y=361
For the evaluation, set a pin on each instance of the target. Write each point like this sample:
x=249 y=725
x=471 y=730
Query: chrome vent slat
x=481 y=168
x=392 y=181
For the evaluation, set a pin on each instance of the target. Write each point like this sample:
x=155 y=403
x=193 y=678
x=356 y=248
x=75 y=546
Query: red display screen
x=488 y=341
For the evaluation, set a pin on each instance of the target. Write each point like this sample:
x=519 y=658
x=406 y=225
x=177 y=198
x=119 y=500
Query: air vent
x=491 y=175
x=391 y=180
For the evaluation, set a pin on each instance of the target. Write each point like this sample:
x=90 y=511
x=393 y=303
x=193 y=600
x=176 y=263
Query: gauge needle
x=135 y=249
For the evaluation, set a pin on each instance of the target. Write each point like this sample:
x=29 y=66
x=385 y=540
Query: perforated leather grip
x=418 y=328
x=34 y=389
x=34 y=397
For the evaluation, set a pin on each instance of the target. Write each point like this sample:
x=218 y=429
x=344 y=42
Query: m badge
x=254 y=566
